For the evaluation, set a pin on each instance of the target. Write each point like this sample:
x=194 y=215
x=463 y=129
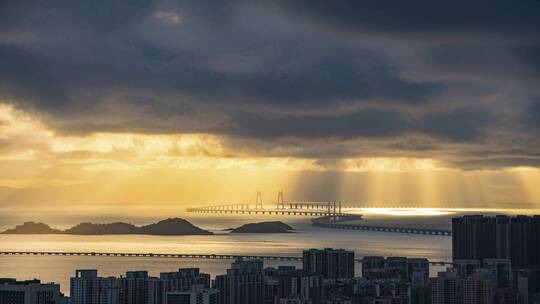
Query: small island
x=33 y=228
x=171 y=226
x=264 y=227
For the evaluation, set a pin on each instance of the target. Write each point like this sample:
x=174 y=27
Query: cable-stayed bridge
x=281 y=208
x=327 y=215
x=296 y=208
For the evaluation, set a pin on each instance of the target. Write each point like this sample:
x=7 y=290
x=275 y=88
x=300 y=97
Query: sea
x=59 y=269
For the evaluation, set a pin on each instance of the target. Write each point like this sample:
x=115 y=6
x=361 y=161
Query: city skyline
x=327 y=276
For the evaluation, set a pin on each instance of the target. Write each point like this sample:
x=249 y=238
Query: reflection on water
x=59 y=269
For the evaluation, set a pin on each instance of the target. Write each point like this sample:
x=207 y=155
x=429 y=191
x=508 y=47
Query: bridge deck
x=261 y=211
x=170 y=255
x=327 y=222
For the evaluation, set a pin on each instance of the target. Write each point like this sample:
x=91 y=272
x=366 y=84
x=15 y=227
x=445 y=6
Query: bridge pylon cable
x=280 y=200
x=258 y=201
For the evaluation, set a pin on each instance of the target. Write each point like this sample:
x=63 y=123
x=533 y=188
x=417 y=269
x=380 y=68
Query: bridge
x=172 y=255
x=282 y=208
x=245 y=209
x=328 y=215
x=329 y=222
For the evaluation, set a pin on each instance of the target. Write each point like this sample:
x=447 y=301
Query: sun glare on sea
x=440 y=211
x=406 y=211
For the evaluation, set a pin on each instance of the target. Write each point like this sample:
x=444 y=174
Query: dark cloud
x=493 y=59
x=99 y=15
x=277 y=70
x=530 y=56
x=328 y=78
x=26 y=76
x=365 y=123
x=466 y=58
x=421 y=15
x=532 y=115
x=323 y=78
x=459 y=125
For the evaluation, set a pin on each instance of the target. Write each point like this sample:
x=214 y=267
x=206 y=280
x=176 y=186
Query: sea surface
x=60 y=268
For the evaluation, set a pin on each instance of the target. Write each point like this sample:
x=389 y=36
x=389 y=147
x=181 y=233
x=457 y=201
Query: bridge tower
x=280 y=200
x=329 y=209
x=258 y=201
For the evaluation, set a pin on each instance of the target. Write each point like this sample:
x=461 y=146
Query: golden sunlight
x=112 y=167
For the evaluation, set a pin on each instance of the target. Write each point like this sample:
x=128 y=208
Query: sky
x=180 y=103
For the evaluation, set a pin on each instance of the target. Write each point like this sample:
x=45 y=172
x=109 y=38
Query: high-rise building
x=524 y=242
x=198 y=294
x=446 y=288
x=184 y=279
x=418 y=271
x=84 y=287
x=500 y=270
x=297 y=284
x=371 y=264
x=134 y=288
x=394 y=291
x=482 y=286
x=415 y=271
x=29 y=292
x=473 y=237
x=464 y=268
x=330 y=263
x=87 y=288
x=516 y=238
x=527 y=283
x=271 y=285
x=478 y=288
x=243 y=283
x=398 y=266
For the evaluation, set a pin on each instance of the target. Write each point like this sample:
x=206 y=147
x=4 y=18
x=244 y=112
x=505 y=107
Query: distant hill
x=97 y=229
x=32 y=228
x=264 y=227
x=172 y=226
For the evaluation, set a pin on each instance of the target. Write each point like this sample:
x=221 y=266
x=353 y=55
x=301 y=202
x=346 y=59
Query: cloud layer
x=454 y=81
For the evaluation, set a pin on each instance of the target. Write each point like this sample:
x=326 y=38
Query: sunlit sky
x=159 y=103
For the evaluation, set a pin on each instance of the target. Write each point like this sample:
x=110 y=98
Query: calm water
x=59 y=269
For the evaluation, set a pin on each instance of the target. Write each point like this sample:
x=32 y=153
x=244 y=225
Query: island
x=264 y=227
x=171 y=226
x=32 y=228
